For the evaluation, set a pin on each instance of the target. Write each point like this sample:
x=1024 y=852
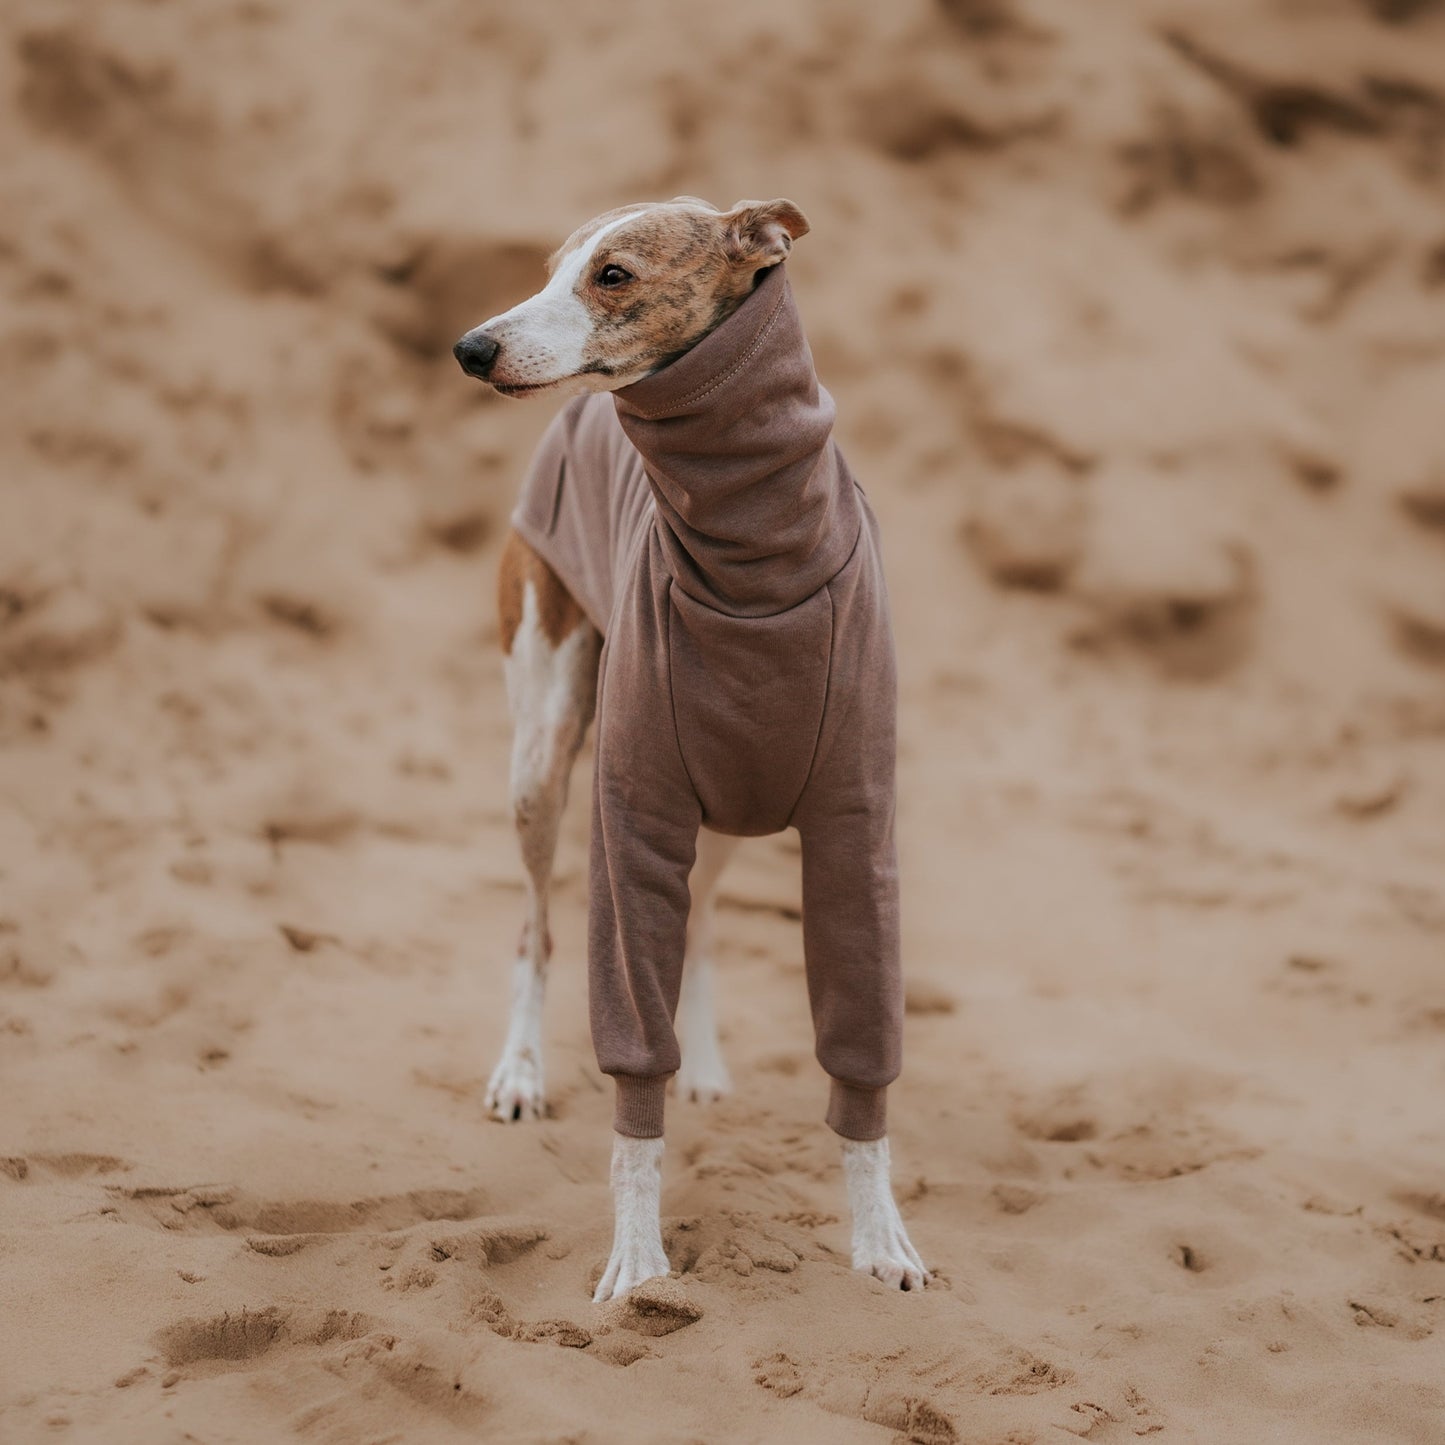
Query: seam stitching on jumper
x=827 y=588
x=672 y=702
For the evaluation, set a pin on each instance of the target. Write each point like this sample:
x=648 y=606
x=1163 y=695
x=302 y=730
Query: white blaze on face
x=544 y=339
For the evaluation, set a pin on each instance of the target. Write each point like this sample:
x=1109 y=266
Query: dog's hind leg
x=704 y=1076
x=551 y=665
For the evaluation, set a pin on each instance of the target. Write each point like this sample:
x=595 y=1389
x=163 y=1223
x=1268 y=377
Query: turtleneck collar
x=756 y=507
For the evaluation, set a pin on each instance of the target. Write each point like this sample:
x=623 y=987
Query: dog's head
x=629 y=292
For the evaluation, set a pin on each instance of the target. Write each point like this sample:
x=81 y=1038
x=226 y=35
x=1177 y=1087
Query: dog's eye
x=613 y=276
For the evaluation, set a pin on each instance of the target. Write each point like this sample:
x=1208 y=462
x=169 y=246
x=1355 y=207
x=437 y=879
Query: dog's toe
x=628 y=1268
x=897 y=1275
x=514 y=1110
x=704 y=1085
x=894 y=1261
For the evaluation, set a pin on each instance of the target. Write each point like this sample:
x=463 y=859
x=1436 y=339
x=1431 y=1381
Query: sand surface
x=1135 y=314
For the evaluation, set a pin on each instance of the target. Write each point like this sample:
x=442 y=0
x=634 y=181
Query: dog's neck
x=726 y=307
x=757 y=508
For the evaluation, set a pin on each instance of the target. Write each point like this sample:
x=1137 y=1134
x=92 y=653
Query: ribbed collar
x=756 y=508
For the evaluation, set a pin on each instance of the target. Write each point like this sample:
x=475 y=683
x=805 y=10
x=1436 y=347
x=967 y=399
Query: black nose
x=475 y=353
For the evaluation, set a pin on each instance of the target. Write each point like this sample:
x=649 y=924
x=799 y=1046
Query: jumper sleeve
x=850 y=865
x=645 y=819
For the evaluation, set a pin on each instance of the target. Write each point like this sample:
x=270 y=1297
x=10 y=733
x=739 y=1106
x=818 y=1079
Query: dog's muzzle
x=475 y=353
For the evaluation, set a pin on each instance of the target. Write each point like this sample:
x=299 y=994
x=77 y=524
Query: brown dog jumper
x=710 y=528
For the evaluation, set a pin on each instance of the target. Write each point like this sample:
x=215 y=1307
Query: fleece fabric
x=710 y=528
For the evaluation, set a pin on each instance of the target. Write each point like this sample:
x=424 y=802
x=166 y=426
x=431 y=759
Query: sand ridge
x=1133 y=315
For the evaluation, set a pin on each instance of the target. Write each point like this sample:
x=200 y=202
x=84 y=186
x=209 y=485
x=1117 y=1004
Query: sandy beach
x=1135 y=317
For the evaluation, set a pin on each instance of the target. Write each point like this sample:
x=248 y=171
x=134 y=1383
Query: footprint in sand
x=918 y=1419
x=490 y=1309
x=740 y=1244
x=248 y=1334
x=778 y=1373
x=225 y=1208
x=1023 y=1373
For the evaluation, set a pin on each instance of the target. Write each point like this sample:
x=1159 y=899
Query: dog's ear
x=761 y=233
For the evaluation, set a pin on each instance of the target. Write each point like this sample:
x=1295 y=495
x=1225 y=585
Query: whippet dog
x=734 y=513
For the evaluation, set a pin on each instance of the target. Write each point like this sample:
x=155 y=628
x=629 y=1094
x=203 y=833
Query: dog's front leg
x=881 y=1245
x=637 y=1252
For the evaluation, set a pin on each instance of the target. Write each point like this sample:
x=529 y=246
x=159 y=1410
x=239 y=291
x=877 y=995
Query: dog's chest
x=727 y=708
x=748 y=694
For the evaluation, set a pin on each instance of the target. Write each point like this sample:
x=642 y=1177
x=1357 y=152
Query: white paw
x=703 y=1077
x=637 y=1252
x=888 y=1254
x=881 y=1246
x=515 y=1089
x=633 y=1260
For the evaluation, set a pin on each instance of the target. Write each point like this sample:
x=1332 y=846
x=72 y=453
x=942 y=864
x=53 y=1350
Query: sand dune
x=1134 y=317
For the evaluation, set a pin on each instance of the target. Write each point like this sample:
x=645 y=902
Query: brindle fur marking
x=691 y=267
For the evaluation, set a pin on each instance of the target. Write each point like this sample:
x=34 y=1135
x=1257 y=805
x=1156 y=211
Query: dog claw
x=897 y=1269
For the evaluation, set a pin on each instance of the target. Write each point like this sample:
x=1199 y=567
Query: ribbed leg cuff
x=857 y=1113
x=639 y=1105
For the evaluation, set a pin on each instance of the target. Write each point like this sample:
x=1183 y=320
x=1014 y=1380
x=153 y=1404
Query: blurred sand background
x=1135 y=314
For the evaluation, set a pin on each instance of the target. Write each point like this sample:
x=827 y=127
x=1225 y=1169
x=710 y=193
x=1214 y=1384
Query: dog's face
x=629 y=292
